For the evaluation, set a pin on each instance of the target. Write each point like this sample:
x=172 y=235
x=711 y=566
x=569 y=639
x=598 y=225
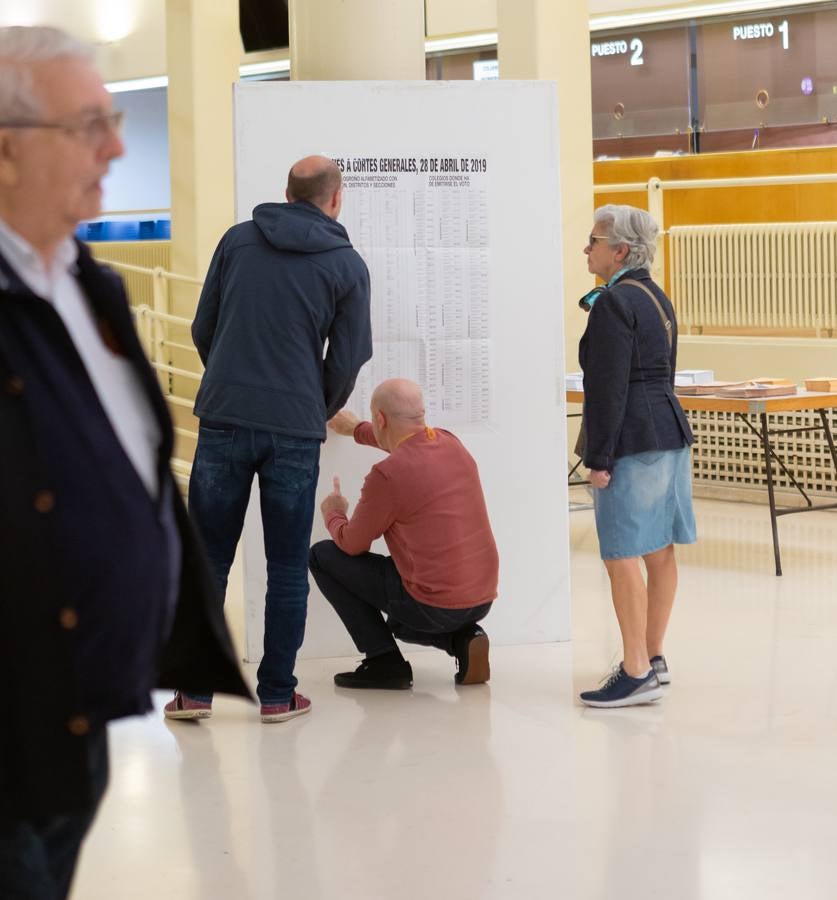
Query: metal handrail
x=152 y=327
x=157 y=271
x=680 y=184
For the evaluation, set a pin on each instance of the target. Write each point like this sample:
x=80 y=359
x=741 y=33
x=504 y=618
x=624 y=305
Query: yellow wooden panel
x=458 y=16
x=778 y=203
x=145 y=254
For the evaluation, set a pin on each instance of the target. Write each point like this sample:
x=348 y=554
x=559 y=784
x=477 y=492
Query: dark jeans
x=360 y=588
x=38 y=857
x=226 y=460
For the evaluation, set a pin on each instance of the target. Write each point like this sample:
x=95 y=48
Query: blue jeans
x=38 y=856
x=226 y=459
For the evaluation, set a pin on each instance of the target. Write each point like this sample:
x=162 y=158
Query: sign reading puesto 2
x=618 y=48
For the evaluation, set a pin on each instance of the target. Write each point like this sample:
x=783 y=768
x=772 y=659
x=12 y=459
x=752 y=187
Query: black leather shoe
x=470 y=647
x=384 y=674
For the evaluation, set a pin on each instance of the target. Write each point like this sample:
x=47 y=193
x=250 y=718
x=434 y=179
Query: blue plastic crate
x=125 y=230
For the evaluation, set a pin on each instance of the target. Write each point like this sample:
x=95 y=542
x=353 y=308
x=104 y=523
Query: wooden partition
x=717 y=206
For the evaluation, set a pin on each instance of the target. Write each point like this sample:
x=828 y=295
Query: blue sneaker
x=660 y=666
x=620 y=689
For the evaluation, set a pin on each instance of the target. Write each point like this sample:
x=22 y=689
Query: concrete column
x=357 y=39
x=203 y=50
x=549 y=40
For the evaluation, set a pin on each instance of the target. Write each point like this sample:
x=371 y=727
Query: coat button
x=44 y=501
x=14 y=385
x=68 y=618
x=78 y=726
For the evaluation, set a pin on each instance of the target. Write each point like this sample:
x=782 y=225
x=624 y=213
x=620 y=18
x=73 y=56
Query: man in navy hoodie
x=279 y=288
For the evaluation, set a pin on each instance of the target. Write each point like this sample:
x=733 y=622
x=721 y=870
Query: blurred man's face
x=59 y=171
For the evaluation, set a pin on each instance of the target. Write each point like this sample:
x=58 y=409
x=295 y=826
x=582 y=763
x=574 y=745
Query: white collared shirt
x=114 y=378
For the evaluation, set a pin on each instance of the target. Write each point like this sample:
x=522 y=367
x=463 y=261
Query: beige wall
x=364 y=39
x=132 y=35
x=459 y=16
x=737 y=359
x=539 y=40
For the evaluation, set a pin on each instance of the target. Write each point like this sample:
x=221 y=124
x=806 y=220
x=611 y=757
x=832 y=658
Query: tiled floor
x=726 y=790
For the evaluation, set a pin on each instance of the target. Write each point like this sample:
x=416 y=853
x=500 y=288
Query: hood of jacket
x=299 y=227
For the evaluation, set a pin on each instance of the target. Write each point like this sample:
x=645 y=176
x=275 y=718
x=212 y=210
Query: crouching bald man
x=426 y=500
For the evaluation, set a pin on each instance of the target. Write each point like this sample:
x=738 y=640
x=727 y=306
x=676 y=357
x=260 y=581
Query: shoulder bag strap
x=663 y=318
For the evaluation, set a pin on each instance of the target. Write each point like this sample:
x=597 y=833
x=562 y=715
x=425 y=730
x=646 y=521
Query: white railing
x=779 y=291
x=143 y=255
x=154 y=326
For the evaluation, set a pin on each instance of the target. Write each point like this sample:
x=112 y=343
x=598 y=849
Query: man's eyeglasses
x=596 y=237
x=92 y=129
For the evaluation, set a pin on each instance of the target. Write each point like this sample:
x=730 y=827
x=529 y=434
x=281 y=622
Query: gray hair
x=634 y=227
x=20 y=47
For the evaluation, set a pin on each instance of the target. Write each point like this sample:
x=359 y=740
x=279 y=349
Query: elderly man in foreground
x=426 y=500
x=104 y=589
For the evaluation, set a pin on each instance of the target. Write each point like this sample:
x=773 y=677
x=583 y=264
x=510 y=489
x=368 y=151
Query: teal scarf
x=590 y=298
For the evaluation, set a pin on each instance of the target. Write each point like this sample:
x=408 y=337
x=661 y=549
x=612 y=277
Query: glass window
x=640 y=86
x=765 y=71
x=458 y=65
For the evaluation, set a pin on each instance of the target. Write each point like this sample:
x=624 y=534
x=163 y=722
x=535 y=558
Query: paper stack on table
x=574 y=381
x=774 y=382
x=759 y=389
x=753 y=387
x=700 y=390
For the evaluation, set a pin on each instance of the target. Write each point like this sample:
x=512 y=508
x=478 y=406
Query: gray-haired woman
x=636 y=444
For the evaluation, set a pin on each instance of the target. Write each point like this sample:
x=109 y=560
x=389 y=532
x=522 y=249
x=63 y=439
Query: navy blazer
x=629 y=400
x=43 y=757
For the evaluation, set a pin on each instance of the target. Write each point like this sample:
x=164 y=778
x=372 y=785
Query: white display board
x=452 y=198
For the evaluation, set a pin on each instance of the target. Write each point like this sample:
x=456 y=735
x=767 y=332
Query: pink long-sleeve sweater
x=426 y=500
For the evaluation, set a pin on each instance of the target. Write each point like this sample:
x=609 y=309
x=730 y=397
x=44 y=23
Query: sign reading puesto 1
x=760 y=30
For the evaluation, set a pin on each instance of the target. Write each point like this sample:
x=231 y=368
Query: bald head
x=399 y=398
x=317 y=180
x=397 y=412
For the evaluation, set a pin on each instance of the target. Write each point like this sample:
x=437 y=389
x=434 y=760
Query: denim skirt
x=647 y=505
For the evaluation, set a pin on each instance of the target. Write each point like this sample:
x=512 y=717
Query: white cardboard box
x=693 y=376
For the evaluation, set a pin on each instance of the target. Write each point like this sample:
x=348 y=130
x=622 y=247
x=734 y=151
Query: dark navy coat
x=104 y=590
x=629 y=400
x=279 y=290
